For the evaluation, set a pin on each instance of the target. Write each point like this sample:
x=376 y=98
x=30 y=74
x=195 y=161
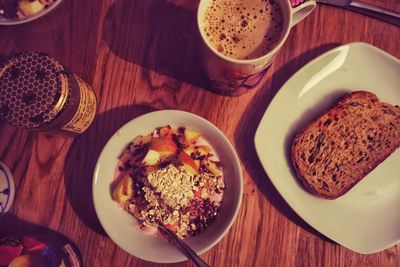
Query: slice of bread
x=338 y=149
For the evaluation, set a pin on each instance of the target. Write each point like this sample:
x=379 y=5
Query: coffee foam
x=243 y=29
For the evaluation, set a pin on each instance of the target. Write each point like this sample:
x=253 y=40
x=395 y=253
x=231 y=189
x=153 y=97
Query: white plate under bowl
x=7 y=189
x=16 y=21
x=119 y=225
x=367 y=218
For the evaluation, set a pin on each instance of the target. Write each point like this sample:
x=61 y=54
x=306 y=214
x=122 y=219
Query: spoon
x=182 y=246
x=367 y=9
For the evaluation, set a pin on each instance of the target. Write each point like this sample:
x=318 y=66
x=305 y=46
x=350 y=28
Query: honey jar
x=40 y=94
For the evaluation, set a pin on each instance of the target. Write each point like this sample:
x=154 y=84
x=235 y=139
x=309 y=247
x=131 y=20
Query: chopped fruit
x=171 y=181
x=151 y=168
x=197 y=162
x=138 y=141
x=164 y=145
x=172 y=227
x=136 y=158
x=189 y=150
x=123 y=191
x=213 y=168
x=165 y=131
x=126 y=156
x=151 y=158
x=130 y=157
x=188 y=163
x=202 y=150
x=28 y=261
x=190 y=136
x=198 y=192
x=30 y=7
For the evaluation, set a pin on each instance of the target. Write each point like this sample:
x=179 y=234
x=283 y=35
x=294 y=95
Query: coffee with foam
x=243 y=29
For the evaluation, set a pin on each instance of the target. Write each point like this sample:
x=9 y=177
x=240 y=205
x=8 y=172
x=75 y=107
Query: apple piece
x=197 y=193
x=123 y=191
x=189 y=150
x=126 y=156
x=30 y=7
x=165 y=131
x=151 y=158
x=139 y=141
x=202 y=150
x=213 y=168
x=197 y=162
x=151 y=168
x=188 y=163
x=29 y=261
x=173 y=227
x=190 y=136
x=132 y=158
x=163 y=145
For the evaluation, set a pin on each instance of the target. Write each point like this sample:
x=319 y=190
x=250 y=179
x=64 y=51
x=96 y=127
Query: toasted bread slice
x=338 y=149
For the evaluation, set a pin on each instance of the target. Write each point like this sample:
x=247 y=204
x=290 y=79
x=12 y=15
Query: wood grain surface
x=139 y=56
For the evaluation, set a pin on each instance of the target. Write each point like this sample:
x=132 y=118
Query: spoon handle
x=183 y=247
x=375 y=12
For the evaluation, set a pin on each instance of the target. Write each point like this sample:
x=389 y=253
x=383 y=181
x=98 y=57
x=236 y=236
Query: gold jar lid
x=34 y=89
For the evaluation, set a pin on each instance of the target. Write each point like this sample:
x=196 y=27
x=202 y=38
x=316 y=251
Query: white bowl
x=7 y=188
x=16 y=21
x=119 y=225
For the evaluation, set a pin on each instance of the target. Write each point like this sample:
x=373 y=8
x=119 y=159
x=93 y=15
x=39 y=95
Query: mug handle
x=302 y=11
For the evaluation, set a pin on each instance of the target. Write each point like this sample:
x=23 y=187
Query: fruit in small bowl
x=13 y=12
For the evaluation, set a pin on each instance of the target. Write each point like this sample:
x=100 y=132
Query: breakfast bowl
x=28 y=11
x=123 y=228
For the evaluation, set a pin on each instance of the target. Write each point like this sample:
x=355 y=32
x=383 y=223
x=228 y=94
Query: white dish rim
x=11 y=186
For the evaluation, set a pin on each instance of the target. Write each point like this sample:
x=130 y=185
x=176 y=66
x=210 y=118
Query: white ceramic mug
x=229 y=76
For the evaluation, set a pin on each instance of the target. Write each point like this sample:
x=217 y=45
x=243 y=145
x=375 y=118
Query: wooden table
x=139 y=56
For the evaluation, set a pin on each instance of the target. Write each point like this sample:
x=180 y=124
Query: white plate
x=7 y=189
x=16 y=21
x=367 y=218
x=119 y=225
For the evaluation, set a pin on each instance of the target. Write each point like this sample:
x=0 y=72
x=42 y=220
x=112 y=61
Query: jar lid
x=33 y=89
